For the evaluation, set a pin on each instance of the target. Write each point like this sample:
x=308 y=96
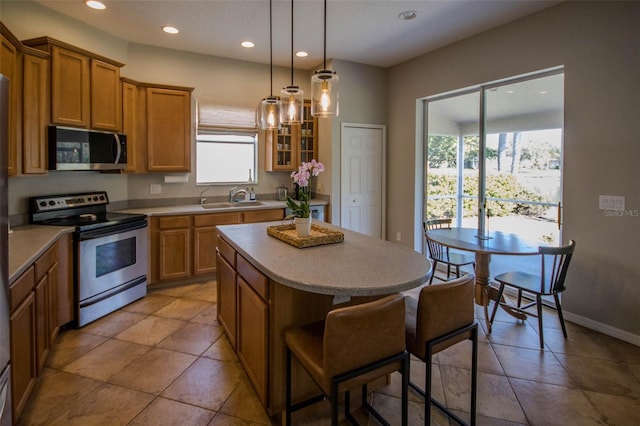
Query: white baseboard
x=634 y=339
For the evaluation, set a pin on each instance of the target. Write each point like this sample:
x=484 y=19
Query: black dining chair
x=550 y=282
x=441 y=254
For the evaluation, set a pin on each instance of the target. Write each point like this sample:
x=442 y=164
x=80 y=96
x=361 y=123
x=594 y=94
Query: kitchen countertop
x=198 y=209
x=359 y=266
x=27 y=243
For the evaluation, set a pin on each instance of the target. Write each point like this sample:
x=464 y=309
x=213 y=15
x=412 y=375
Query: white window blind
x=214 y=116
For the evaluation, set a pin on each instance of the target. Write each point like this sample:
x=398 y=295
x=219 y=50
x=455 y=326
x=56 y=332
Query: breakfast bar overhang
x=266 y=285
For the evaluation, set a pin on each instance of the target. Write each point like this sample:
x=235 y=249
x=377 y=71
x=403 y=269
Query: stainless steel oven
x=110 y=251
x=112 y=269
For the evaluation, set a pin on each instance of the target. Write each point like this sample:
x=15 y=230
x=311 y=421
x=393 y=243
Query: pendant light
x=324 y=85
x=291 y=96
x=269 y=110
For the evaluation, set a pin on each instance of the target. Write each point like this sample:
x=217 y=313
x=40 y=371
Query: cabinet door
x=204 y=256
x=9 y=68
x=23 y=353
x=174 y=254
x=226 y=287
x=252 y=348
x=130 y=122
x=168 y=130
x=293 y=144
x=52 y=307
x=70 y=85
x=263 y=215
x=106 y=106
x=34 y=114
x=42 y=322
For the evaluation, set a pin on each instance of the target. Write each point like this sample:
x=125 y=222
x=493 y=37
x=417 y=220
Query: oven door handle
x=111 y=230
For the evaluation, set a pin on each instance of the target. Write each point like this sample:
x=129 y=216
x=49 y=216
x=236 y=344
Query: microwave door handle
x=116 y=139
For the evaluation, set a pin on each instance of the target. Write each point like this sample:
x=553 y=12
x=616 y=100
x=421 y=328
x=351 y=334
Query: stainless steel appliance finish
x=81 y=149
x=5 y=338
x=110 y=251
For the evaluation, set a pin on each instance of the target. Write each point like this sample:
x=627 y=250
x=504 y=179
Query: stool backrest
x=443 y=308
x=358 y=335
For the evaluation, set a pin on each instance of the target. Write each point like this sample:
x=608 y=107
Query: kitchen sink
x=227 y=205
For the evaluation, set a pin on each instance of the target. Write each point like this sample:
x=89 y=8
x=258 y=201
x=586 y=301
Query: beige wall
x=597 y=43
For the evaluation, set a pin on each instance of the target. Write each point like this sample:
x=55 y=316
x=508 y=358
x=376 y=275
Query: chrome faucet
x=202 y=198
x=234 y=193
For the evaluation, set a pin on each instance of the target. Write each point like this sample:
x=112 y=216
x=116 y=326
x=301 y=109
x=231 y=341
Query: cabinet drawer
x=46 y=261
x=263 y=215
x=21 y=288
x=227 y=251
x=253 y=277
x=173 y=222
x=216 y=219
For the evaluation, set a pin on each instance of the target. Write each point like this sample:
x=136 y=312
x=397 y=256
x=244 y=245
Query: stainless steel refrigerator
x=5 y=368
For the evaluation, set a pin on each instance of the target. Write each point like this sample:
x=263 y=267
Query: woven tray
x=319 y=235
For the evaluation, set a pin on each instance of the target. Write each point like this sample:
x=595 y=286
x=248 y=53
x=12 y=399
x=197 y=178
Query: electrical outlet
x=155 y=189
x=398 y=236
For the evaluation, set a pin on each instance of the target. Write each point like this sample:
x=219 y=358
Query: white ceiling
x=364 y=31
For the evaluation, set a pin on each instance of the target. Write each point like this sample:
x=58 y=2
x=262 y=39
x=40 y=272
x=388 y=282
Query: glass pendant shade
x=324 y=94
x=269 y=113
x=292 y=106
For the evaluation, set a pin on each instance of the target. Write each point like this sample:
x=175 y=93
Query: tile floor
x=164 y=360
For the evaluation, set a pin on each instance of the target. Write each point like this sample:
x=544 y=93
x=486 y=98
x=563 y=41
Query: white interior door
x=362 y=179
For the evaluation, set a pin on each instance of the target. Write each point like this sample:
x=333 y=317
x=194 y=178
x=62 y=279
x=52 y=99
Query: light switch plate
x=611 y=202
x=155 y=189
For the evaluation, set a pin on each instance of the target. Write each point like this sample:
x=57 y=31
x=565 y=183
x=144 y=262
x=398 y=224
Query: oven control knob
x=95 y=198
x=102 y=198
x=43 y=203
x=52 y=203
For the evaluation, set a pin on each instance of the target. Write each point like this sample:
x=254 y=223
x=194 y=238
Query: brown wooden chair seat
x=353 y=346
x=441 y=316
x=553 y=271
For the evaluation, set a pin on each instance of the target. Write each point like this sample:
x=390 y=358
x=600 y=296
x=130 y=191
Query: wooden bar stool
x=442 y=316
x=353 y=346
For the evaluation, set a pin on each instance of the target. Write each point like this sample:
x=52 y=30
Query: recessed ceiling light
x=302 y=54
x=247 y=44
x=170 y=30
x=543 y=92
x=94 y=4
x=408 y=14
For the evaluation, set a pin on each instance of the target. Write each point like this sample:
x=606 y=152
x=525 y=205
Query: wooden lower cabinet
x=34 y=321
x=243 y=312
x=226 y=292
x=184 y=246
x=22 y=325
x=253 y=337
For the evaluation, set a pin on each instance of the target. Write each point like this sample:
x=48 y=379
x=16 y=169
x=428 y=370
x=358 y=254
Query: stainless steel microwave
x=81 y=149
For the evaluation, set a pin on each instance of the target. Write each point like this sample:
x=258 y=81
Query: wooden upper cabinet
x=168 y=113
x=35 y=113
x=293 y=144
x=9 y=68
x=70 y=85
x=131 y=122
x=106 y=112
x=85 y=87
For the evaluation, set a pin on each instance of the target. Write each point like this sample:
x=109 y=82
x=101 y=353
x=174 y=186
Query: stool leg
x=334 y=404
x=405 y=391
x=474 y=374
x=287 y=414
x=427 y=386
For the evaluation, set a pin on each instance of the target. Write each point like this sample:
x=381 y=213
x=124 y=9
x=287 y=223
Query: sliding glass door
x=494 y=157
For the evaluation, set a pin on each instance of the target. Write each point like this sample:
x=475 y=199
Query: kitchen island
x=266 y=285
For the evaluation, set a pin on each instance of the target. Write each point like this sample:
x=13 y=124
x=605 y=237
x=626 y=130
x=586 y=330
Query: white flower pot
x=303 y=226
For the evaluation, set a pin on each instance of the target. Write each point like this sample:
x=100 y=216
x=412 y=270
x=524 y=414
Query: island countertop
x=359 y=266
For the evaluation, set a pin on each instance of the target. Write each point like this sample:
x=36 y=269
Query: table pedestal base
x=485 y=293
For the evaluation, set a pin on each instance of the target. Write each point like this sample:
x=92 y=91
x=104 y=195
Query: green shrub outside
x=498 y=186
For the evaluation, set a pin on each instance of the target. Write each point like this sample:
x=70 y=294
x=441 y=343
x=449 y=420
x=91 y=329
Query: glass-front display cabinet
x=293 y=144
